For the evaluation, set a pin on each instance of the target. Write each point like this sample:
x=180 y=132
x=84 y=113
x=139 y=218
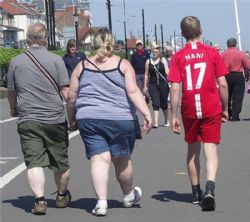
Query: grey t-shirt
x=37 y=98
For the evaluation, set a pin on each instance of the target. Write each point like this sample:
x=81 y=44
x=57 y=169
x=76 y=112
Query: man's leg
x=230 y=91
x=62 y=180
x=237 y=96
x=36 y=181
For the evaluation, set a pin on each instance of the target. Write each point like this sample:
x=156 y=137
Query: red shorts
x=205 y=130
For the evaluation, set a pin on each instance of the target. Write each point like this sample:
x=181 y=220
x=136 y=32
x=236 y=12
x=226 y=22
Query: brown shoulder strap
x=44 y=71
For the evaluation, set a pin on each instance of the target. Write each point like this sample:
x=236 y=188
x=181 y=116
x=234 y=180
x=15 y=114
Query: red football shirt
x=197 y=66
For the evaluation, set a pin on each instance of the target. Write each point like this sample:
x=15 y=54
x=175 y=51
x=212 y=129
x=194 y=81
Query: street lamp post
x=237 y=24
x=125 y=32
x=109 y=14
x=76 y=22
x=147 y=40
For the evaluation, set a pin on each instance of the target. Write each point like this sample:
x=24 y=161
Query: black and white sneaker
x=197 y=197
x=208 y=203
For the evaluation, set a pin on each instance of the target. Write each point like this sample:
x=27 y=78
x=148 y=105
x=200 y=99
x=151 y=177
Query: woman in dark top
x=72 y=56
x=155 y=82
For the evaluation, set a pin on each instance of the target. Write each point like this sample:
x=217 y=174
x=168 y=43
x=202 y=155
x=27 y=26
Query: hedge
x=6 y=55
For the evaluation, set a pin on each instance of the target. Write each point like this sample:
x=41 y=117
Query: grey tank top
x=103 y=98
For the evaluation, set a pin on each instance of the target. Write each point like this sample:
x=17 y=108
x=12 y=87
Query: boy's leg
x=193 y=166
x=211 y=156
x=193 y=162
x=212 y=161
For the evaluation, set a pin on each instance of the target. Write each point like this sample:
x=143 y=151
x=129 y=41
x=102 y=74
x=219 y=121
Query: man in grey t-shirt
x=41 y=123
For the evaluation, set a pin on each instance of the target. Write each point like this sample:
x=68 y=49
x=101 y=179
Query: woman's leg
x=100 y=165
x=124 y=173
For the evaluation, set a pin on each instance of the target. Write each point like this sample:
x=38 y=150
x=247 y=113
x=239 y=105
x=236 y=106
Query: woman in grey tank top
x=102 y=99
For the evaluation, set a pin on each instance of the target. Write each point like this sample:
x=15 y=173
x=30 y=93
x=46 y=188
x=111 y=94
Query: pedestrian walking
x=236 y=62
x=196 y=67
x=41 y=116
x=138 y=60
x=101 y=103
x=73 y=56
x=155 y=83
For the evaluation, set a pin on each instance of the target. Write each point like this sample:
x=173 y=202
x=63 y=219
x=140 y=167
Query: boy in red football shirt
x=202 y=72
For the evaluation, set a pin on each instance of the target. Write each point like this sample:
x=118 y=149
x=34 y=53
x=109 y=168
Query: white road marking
x=11 y=175
x=3 y=159
x=4 y=180
x=8 y=158
x=8 y=120
x=3 y=162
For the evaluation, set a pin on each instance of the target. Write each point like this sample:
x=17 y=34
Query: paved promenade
x=160 y=170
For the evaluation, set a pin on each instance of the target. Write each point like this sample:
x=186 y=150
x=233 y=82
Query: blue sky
x=217 y=17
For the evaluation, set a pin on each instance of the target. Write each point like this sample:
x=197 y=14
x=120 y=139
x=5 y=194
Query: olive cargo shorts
x=44 y=145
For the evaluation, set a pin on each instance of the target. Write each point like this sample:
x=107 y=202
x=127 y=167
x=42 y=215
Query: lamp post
x=147 y=40
x=125 y=32
x=237 y=24
x=109 y=14
x=76 y=22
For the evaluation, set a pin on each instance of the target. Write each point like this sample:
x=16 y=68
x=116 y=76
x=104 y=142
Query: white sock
x=102 y=203
x=131 y=195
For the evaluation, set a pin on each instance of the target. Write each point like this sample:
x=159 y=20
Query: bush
x=6 y=55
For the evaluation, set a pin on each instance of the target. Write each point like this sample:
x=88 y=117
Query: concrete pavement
x=160 y=170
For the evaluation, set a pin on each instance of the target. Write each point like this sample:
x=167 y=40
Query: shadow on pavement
x=27 y=203
x=88 y=204
x=168 y=195
x=247 y=119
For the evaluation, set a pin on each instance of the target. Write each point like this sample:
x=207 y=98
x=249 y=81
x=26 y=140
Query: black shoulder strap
x=103 y=72
x=44 y=71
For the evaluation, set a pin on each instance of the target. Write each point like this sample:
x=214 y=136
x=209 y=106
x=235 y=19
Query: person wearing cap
x=138 y=60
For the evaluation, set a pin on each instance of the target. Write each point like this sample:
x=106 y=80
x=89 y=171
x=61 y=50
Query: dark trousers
x=159 y=95
x=236 y=89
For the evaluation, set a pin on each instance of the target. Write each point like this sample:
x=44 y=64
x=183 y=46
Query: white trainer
x=128 y=202
x=99 y=211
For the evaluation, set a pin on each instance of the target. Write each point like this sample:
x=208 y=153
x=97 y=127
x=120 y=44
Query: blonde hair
x=37 y=34
x=103 y=43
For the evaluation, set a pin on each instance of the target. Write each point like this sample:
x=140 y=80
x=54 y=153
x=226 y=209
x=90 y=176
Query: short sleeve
x=220 y=67
x=63 y=78
x=174 y=71
x=10 y=76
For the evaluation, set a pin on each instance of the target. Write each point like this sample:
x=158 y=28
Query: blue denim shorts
x=115 y=136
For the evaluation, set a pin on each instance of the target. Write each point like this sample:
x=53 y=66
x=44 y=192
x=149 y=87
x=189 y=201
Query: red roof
x=18 y=9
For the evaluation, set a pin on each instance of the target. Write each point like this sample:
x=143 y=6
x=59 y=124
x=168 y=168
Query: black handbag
x=138 y=132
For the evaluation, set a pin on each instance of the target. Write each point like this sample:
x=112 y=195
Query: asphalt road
x=160 y=170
